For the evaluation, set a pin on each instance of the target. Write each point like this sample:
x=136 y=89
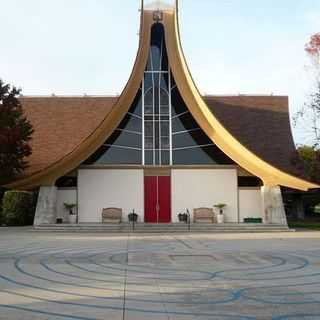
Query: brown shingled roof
x=60 y=125
x=260 y=123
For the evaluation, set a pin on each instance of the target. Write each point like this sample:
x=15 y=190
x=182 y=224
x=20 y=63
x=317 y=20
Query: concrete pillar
x=272 y=205
x=46 y=211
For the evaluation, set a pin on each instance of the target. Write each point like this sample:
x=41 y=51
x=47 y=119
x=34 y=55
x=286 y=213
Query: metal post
x=188 y=220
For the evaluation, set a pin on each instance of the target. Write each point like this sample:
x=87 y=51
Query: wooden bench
x=205 y=215
x=111 y=215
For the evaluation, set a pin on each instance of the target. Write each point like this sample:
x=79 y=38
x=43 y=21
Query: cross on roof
x=159 y=5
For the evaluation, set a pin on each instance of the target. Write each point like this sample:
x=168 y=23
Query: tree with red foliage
x=313 y=49
x=309 y=114
x=15 y=134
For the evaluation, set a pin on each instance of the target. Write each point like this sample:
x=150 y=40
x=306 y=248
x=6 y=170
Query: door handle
x=157 y=207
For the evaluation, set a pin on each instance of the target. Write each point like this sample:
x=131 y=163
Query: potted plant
x=59 y=220
x=252 y=220
x=72 y=215
x=220 y=217
x=181 y=217
x=132 y=216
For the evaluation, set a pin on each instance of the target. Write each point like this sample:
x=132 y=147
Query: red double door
x=157 y=199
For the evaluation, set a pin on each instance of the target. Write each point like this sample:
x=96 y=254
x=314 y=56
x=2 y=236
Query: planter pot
x=182 y=217
x=133 y=217
x=252 y=220
x=72 y=218
x=220 y=218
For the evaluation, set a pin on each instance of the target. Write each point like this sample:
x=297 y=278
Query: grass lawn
x=304 y=225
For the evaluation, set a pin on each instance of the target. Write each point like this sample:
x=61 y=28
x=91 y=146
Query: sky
x=76 y=47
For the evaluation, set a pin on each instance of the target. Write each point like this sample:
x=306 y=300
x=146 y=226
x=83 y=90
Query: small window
x=249 y=181
x=67 y=182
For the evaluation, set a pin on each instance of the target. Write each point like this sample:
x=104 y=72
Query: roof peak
x=154 y=5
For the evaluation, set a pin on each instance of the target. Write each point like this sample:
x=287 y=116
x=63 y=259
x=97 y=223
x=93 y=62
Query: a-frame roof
x=212 y=114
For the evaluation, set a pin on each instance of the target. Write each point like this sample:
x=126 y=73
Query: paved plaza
x=159 y=276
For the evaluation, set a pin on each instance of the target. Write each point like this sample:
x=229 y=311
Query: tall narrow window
x=159 y=129
x=156 y=102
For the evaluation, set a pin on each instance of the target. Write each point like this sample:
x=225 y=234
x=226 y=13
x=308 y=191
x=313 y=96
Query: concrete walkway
x=163 y=276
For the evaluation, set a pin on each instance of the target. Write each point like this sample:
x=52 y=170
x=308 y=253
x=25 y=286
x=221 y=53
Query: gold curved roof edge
x=200 y=111
x=211 y=125
x=49 y=175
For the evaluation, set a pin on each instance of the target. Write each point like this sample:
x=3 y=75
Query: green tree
x=15 y=134
x=309 y=161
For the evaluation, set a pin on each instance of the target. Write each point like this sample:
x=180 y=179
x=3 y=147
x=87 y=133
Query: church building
x=160 y=147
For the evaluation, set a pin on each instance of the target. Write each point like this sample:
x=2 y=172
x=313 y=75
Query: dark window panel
x=164 y=128
x=148 y=143
x=164 y=117
x=184 y=122
x=164 y=64
x=178 y=105
x=157 y=157
x=156 y=78
x=148 y=81
x=188 y=139
x=200 y=155
x=156 y=135
x=97 y=155
x=195 y=156
x=156 y=56
x=131 y=123
x=136 y=107
x=148 y=99
x=127 y=139
x=165 y=157
x=164 y=98
x=148 y=128
x=158 y=42
x=164 y=109
x=115 y=155
x=67 y=182
x=149 y=66
x=148 y=109
x=249 y=182
x=165 y=143
x=165 y=81
x=148 y=157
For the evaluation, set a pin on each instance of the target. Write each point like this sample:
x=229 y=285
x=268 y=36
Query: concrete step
x=162 y=228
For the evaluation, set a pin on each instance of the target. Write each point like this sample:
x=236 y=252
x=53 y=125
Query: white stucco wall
x=194 y=188
x=98 y=189
x=250 y=203
x=66 y=195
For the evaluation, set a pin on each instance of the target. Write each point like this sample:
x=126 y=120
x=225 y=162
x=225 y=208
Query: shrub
x=18 y=208
x=2 y=191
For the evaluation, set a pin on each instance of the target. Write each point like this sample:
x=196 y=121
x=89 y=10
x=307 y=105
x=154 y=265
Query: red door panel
x=164 y=195
x=157 y=199
x=150 y=199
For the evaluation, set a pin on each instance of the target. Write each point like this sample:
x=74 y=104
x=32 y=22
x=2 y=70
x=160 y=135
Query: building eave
x=72 y=160
x=269 y=174
x=206 y=119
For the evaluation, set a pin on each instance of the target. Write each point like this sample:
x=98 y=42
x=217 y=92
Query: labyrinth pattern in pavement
x=158 y=277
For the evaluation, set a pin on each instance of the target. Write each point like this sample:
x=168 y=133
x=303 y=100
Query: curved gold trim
x=49 y=175
x=210 y=124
